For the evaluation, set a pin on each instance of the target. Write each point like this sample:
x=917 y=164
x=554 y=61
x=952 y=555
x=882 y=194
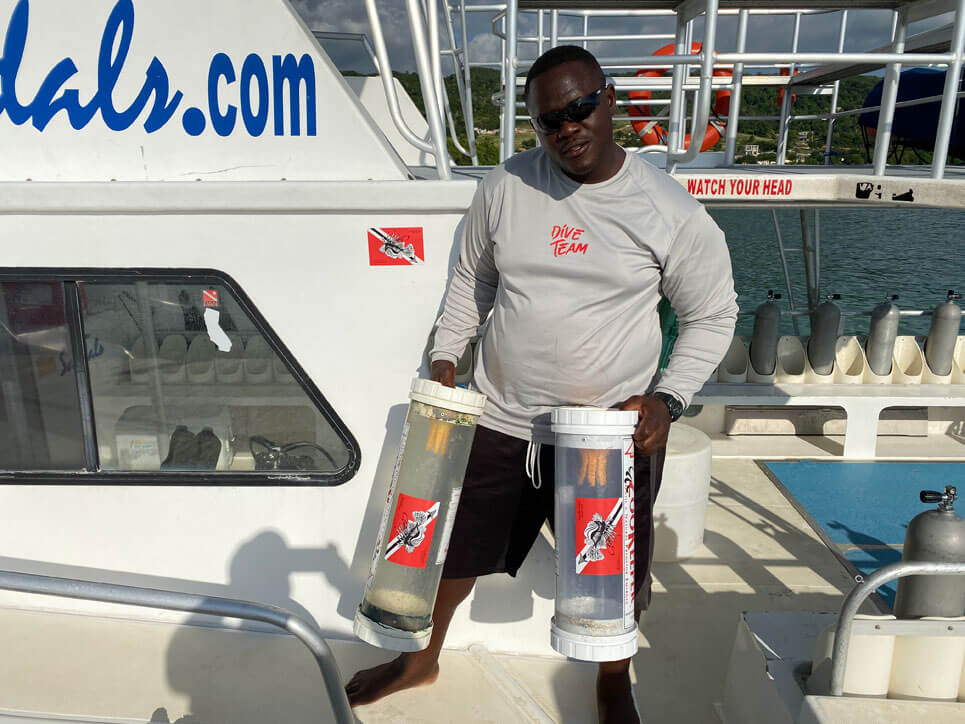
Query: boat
x=222 y=266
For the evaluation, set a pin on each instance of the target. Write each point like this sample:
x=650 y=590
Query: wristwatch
x=675 y=406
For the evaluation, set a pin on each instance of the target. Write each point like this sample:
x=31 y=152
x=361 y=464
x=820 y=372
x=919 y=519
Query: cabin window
x=182 y=379
x=40 y=422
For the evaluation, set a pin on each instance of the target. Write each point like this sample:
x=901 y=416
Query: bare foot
x=614 y=699
x=401 y=673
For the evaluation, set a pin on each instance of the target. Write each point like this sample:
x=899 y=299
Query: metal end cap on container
x=593 y=648
x=393 y=639
x=593 y=421
x=457 y=399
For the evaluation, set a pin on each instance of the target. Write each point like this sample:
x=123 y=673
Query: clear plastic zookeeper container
x=420 y=509
x=594 y=619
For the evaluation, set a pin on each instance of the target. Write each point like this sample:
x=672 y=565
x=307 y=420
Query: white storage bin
x=928 y=667
x=200 y=360
x=229 y=366
x=791 y=360
x=734 y=366
x=850 y=363
x=958 y=363
x=681 y=506
x=258 y=358
x=171 y=358
x=909 y=361
x=869 y=662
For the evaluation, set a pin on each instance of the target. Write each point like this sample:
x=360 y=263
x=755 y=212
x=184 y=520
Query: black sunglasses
x=579 y=110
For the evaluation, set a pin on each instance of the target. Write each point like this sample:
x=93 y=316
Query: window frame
x=71 y=277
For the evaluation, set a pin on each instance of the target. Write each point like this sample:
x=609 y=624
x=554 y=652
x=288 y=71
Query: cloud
x=349 y=16
x=485 y=49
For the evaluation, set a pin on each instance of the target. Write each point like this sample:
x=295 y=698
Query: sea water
x=865 y=254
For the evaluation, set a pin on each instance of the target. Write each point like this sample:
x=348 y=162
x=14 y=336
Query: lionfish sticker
x=396 y=247
x=599 y=542
x=413 y=524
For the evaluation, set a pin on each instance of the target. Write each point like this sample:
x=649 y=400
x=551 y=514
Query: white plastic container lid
x=593 y=421
x=593 y=648
x=457 y=399
x=372 y=632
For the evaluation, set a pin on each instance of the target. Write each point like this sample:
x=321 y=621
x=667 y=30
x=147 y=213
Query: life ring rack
x=651 y=133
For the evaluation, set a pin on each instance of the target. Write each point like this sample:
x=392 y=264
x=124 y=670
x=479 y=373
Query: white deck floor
x=758 y=554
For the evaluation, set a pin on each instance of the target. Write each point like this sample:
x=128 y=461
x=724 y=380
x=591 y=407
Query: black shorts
x=501 y=512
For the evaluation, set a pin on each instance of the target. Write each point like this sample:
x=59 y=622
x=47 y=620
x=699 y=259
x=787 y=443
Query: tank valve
x=946 y=500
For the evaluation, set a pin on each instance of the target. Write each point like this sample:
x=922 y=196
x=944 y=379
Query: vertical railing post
x=704 y=92
x=430 y=96
x=540 y=32
x=842 y=33
x=950 y=95
x=784 y=129
x=677 y=93
x=889 y=94
x=733 y=116
x=510 y=63
x=465 y=87
x=554 y=28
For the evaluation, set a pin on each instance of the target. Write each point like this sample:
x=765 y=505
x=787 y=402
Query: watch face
x=673 y=404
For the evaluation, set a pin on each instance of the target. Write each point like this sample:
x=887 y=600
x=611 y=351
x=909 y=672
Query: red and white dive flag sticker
x=209 y=297
x=599 y=536
x=396 y=247
x=413 y=524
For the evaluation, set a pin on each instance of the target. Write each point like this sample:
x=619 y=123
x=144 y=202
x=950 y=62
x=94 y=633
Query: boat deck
x=758 y=554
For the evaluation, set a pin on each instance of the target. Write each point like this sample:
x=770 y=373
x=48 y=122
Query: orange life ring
x=654 y=135
x=780 y=91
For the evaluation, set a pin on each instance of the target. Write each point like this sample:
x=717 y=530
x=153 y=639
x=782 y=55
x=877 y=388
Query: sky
x=867 y=29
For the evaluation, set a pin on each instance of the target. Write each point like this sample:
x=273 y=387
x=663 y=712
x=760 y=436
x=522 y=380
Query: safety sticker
x=447 y=526
x=599 y=536
x=210 y=297
x=412 y=527
x=387 y=508
x=629 y=540
x=400 y=246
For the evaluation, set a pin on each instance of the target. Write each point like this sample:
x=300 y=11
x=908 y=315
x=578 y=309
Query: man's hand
x=444 y=372
x=654 y=425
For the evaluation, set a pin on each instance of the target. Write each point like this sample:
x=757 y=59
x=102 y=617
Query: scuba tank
x=767 y=331
x=936 y=535
x=882 y=334
x=940 y=345
x=825 y=322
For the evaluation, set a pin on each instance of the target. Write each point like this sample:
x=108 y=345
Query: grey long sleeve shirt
x=572 y=274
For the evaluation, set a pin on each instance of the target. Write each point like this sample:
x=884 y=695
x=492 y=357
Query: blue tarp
x=917 y=126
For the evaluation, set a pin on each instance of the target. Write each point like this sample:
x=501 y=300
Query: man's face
x=583 y=149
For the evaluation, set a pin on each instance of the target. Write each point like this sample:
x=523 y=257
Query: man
x=570 y=246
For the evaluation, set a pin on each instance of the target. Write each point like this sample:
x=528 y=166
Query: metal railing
x=505 y=18
x=849 y=609
x=194 y=603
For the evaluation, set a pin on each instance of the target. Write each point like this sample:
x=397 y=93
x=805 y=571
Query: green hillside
x=847 y=146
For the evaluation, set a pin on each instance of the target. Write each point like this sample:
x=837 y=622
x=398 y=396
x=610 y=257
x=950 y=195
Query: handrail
x=853 y=601
x=385 y=71
x=506 y=17
x=702 y=100
x=194 y=603
x=430 y=92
